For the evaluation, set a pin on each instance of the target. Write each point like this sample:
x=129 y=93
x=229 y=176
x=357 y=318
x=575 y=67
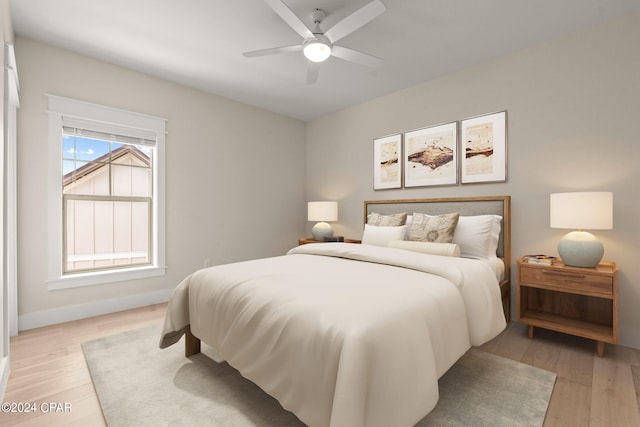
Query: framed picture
x=387 y=169
x=431 y=156
x=484 y=141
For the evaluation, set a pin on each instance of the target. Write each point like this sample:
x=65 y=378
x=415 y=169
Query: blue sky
x=78 y=151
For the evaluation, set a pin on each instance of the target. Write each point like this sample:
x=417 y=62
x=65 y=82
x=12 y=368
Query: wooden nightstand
x=574 y=300
x=305 y=240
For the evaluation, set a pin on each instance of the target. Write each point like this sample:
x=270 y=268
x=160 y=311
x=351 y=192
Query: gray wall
x=235 y=179
x=573 y=109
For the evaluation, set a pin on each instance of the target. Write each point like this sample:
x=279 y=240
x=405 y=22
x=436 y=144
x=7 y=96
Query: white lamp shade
x=582 y=211
x=322 y=211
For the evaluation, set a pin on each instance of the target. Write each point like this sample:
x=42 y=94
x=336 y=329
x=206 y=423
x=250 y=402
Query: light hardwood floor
x=47 y=365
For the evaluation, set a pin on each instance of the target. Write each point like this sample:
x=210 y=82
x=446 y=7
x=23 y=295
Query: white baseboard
x=91 y=309
x=4 y=376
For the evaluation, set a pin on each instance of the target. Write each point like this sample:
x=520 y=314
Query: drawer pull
x=565 y=274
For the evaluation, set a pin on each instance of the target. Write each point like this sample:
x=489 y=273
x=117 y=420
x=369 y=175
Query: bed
x=346 y=334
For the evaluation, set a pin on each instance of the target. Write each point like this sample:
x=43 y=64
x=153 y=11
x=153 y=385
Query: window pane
x=88 y=149
x=136 y=155
x=148 y=151
x=122 y=226
x=68 y=166
x=87 y=178
x=131 y=232
x=80 y=232
x=141 y=182
x=140 y=229
x=70 y=229
x=68 y=147
x=92 y=149
x=130 y=181
x=104 y=234
x=121 y=180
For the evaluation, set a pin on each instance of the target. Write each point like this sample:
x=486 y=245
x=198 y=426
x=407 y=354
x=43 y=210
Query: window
x=106 y=199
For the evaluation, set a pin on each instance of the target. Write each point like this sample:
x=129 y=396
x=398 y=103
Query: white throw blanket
x=342 y=334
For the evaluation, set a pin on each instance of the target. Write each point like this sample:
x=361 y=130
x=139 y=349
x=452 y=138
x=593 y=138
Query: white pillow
x=381 y=236
x=433 y=248
x=478 y=236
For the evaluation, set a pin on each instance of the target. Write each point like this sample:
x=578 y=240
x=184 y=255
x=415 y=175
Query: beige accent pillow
x=433 y=248
x=393 y=220
x=428 y=228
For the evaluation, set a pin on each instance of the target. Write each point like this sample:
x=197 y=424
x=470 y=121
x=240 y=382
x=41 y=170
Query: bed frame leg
x=191 y=343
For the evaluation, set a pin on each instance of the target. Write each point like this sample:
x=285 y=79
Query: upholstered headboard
x=494 y=205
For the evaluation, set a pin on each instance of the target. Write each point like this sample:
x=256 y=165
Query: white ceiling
x=199 y=43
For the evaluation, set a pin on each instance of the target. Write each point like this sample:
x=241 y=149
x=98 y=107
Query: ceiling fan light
x=317 y=50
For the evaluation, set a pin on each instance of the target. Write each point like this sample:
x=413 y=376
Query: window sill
x=104 y=277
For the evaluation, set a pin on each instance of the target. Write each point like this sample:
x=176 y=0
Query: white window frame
x=59 y=108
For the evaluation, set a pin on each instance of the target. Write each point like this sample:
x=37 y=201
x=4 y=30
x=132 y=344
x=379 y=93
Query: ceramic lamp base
x=580 y=249
x=320 y=230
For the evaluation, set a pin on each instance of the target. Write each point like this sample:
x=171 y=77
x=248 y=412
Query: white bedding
x=498 y=267
x=342 y=334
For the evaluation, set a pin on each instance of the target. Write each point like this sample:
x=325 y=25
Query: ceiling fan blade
x=313 y=68
x=355 y=56
x=290 y=18
x=273 y=51
x=357 y=19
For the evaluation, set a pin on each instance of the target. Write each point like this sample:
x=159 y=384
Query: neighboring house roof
x=102 y=161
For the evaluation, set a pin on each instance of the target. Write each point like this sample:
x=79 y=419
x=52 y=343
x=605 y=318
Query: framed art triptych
x=473 y=150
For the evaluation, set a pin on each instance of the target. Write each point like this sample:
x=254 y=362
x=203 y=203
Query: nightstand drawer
x=574 y=281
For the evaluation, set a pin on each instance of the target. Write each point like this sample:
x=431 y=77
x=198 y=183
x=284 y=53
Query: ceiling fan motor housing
x=318 y=16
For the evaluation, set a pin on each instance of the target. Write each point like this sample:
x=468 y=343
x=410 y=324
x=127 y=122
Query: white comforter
x=342 y=334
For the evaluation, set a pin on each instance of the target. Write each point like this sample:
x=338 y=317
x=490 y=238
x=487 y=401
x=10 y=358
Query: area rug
x=140 y=385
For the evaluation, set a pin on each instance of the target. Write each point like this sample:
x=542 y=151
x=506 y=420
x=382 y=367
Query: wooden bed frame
x=495 y=205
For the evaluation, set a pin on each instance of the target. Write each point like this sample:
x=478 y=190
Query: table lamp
x=580 y=211
x=323 y=212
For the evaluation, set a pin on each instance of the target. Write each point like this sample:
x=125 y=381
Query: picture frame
x=387 y=165
x=484 y=147
x=431 y=156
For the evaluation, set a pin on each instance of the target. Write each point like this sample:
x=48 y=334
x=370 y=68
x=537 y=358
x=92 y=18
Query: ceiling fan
x=318 y=45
